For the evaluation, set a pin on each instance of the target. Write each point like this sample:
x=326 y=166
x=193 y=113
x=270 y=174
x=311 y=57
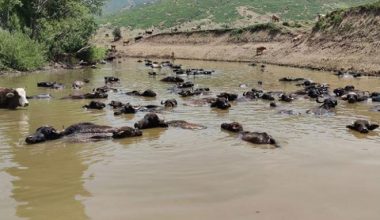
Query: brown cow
x=275 y=18
x=13 y=98
x=260 y=50
x=113 y=48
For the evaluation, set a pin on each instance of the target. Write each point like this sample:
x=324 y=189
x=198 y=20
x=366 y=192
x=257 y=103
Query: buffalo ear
x=10 y=95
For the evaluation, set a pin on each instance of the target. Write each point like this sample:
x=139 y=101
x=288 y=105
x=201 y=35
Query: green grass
x=335 y=18
x=168 y=13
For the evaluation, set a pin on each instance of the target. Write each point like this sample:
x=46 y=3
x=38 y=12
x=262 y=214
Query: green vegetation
x=335 y=18
x=270 y=27
x=61 y=27
x=169 y=13
x=18 y=51
x=92 y=54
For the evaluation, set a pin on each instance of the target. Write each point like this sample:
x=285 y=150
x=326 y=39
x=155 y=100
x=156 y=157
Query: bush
x=18 y=51
x=92 y=54
x=116 y=34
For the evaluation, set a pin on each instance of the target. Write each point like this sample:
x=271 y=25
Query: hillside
x=169 y=13
x=114 y=6
x=346 y=39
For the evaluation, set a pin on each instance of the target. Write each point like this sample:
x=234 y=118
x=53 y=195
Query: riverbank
x=291 y=49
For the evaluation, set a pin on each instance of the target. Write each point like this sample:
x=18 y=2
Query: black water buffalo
x=151 y=120
x=116 y=104
x=147 y=93
x=327 y=106
x=92 y=95
x=286 y=98
x=198 y=91
x=104 y=89
x=111 y=79
x=170 y=103
x=343 y=91
x=172 y=79
x=185 y=85
x=95 y=105
x=51 y=85
x=363 y=126
x=126 y=109
x=353 y=97
x=221 y=103
x=228 y=96
x=233 y=127
x=13 y=98
x=82 y=132
x=258 y=138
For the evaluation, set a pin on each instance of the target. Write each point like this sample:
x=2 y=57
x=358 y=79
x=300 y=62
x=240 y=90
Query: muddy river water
x=321 y=171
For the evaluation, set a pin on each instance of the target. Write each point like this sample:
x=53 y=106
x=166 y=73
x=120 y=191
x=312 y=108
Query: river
x=321 y=171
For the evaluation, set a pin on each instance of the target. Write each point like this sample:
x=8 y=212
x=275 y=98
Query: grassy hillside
x=168 y=13
x=113 y=6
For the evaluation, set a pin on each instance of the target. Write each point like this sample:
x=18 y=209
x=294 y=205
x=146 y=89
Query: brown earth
x=352 y=44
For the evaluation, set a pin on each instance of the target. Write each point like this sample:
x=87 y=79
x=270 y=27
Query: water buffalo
x=185 y=125
x=169 y=103
x=104 y=89
x=228 y=96
x=116 y=104
x=363 y=126
x=95 y=105
x=92 y=95
x=221 y=103
x=258 y=138
x=286 y=98
x=51 y=85
x=327 y=106
x=185 y=85
x=147 y=93
x=172 y=79
x=353 y=97
x=126 y=109
x=13 y=98
x=375 y=96
x=151 y=120
x=233 y=127
x=81 y=131
x=111 y=79
x=198 y=91
x=339 y=92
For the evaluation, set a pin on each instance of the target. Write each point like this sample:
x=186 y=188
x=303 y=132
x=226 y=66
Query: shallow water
x=321 y=171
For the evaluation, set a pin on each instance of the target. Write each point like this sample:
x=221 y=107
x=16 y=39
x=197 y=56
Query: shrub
x=92 y=54
x=18 y=51
x=116 y=33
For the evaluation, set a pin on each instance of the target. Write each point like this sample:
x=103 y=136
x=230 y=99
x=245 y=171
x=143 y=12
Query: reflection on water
x=180 y=174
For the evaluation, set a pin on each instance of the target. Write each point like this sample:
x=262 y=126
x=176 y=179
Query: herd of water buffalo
x=320 y=93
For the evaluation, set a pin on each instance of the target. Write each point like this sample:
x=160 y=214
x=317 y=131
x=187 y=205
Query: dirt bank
x=349 y=44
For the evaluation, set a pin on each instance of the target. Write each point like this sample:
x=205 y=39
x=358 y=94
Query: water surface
x=322 y=170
